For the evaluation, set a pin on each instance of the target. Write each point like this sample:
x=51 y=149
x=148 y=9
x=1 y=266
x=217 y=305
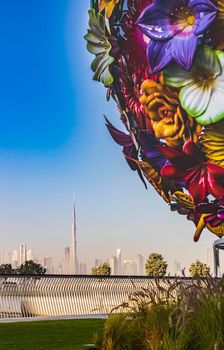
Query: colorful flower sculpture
x=162 y=62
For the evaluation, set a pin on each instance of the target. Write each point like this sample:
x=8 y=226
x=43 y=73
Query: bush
x=198 y=269
x=155 y=265
x=179 y=315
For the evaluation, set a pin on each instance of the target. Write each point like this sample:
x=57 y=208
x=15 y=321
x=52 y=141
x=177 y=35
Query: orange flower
x=169 y=121
x=108 y=6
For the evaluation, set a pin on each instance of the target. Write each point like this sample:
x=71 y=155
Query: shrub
x=178 y=315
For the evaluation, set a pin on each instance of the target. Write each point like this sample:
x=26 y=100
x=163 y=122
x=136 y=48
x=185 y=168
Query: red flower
x=136 y=42
x=131 y=78
x=190 y=166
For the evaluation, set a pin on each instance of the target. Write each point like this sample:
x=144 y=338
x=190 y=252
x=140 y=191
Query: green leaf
x=94 y=5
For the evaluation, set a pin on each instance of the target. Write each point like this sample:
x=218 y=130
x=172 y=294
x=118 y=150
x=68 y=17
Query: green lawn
x=48 y=335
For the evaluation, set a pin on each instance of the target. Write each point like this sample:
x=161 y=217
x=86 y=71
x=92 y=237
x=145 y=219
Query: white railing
x=57 y=295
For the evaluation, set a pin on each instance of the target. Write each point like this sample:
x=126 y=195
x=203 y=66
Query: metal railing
x=59 y=295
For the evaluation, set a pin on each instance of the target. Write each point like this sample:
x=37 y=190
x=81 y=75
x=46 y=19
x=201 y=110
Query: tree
x=199 y=269
x=6 y=269
x=31 y=268
x=155 y=266
x=103 y=269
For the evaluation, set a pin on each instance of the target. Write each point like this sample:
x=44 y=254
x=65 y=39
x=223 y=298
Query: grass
x=168 y=316
x=49 y=335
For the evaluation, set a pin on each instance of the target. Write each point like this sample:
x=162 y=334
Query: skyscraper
x=139 y=263
x=129 y=267
x=15 y=259
x=29 y=254
x=118 y=261
x=82 y=268
x=113 y=265
x=22 y=254
x=73 y=261
x=66 y=260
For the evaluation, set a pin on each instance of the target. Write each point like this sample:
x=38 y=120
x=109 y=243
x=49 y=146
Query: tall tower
x=73 y=247
x=22 y=254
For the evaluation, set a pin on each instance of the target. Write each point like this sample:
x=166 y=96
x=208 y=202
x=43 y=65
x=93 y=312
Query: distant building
x=177 y=268
x=113 y=262
x=73 y=260
x=29 y=254
x=22 y=254
x=66 y=261
x=59 y=270
x=6 y=258
x=82 y=269
x=48 y=264
x=139 y=265
x=129 y=267
x=97 y=262
x=15 y=259
x=119 y=269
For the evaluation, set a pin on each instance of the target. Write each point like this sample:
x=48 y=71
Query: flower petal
x=214 y=187
x=204 y=23
x=150 y=150
x=208 y=59
x=176 y=157
x=106 y=77
x=177 y=77
x=172 y=172
x=192 y=150
x=159 y=55
x=215 y=109
x=205 y=13
x=197 y=186
x=100 y=67
x=156 y=24
x=183 y=49
x=216 y=171
x=195 y=99
x=110 y=8
x=220 y=56
x=118 y=136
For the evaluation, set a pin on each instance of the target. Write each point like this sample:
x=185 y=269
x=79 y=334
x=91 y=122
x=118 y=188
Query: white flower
x=201 y=88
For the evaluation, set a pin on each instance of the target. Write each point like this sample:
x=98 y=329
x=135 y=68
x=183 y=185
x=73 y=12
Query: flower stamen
x=191 y=20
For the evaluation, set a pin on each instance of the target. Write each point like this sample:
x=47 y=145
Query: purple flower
x=149 y=147
x=215 y=211
x=174 y=27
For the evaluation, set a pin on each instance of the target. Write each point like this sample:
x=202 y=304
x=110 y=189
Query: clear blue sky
x=53 y=143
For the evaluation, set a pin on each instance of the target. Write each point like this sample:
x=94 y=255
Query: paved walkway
x=52 y=318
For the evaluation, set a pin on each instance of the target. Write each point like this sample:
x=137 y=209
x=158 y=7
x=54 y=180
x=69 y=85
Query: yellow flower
x=212 y=142
x=108 y=5
x=169 y=121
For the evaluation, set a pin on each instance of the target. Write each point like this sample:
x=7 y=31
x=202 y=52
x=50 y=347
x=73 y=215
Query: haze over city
x=54 y=144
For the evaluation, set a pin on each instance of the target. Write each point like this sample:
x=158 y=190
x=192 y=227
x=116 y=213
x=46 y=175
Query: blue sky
x=54 y=145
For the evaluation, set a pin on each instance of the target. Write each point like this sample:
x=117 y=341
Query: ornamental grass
x=168 y=315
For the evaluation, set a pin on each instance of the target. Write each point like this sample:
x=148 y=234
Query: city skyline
x=69 y=263
x=119 y=265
